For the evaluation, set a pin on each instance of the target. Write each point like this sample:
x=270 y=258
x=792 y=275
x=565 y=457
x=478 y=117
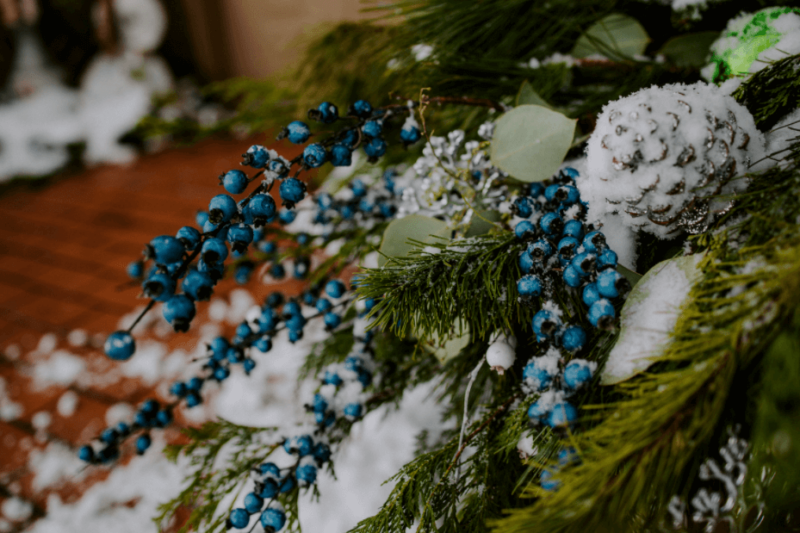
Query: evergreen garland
x=639 y=444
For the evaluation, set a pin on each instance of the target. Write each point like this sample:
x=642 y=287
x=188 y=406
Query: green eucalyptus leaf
x=482 y=222
x=649 y=316
x=450 y=347
x=527 y=96
x=632 y=277
x=614 y=36
x=531 y=141
x=690 y=50
x=413 y=227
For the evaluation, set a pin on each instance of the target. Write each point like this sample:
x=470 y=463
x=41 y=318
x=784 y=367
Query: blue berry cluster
x=562 y=251
x=271 y=481
x=149 y=415
x=176 y=280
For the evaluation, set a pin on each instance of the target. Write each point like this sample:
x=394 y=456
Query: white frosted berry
x=501 y=353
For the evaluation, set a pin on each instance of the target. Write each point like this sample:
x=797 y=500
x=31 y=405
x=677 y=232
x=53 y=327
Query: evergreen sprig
x=472 y=281
x=215 y=473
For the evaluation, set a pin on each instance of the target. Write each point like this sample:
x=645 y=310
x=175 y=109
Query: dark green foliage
x=473 y=281
x=772 y=92
x=208 y=481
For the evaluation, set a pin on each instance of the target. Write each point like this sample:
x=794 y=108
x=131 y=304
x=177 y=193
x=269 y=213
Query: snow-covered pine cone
x=664 y=158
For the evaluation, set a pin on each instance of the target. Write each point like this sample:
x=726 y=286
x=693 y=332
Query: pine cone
x=665 y=158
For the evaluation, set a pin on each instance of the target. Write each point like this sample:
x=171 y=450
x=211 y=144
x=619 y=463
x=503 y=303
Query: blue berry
x=372 y=128
x=198 y=285
x=584 y=263
x=119 y=346
x=332 y=378
x=256 y=156
x=213 y=251
x=577 y=374
x=567 y=246
x=269 y=488
x=529 y=286
x=291 y=308
x=253 y=503
x=243 y=273
x=410 y=134
x=358 y=187
x=324 y=305
x=277 y=271
x=571 y=277
x=286 y=484
x=267 y=321
x=279 y=166
x=165 y=249
x=573 y=339
x=538 y=411
x=353 y=410
x=573 y=228
x=268 y=247
x=550 y=192
x=611 y=283
x=150 y=407
x=248 y=365
x=562 y=414
x=160 y=287
x=243 y=330
x=109 y=436
x=263 y=345
x=221 y=209
x=320 y=403
x=525 y=262
x=306 y=474
x=570 y=173
x=335 y=289
x=86 y=453
x=349 y=138
x=315 y=155
x=123 y=429
x=606 y=258
x=361 y=108
x=537 y=375
x=135 y=269
x=302 y=445
x=270 y=470
x=273 y=519
x=332 y=320
x=164 y=418
x=536 y=189
x=567 y=194
x=540 y=250
x=548 y=484
x=193 y=399
x=375 y=148
x=221 y=373
x=594 y=241
x=200 y=218
x=189 y=237
x=590 y=294
x=179 y=311
x=292 y=191
x=327 y=113
x=178 y=389
x=239 y=518
x=143 y=443
x=523 y=207
x=322 y=453
x=524 y=229
x=545 y=323
x=341 y=155
x=234 y=181
x=601 y=314
x=262 y=208
x=551 y=224
x=297 y=132
x=240 y=237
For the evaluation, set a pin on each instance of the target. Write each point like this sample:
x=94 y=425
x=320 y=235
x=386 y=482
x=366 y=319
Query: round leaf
x=531 y=141
x=614 y=36
x=451 y=346
x=413 y=227
x=649 y=316
x=527 y=96
x=690 y=50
